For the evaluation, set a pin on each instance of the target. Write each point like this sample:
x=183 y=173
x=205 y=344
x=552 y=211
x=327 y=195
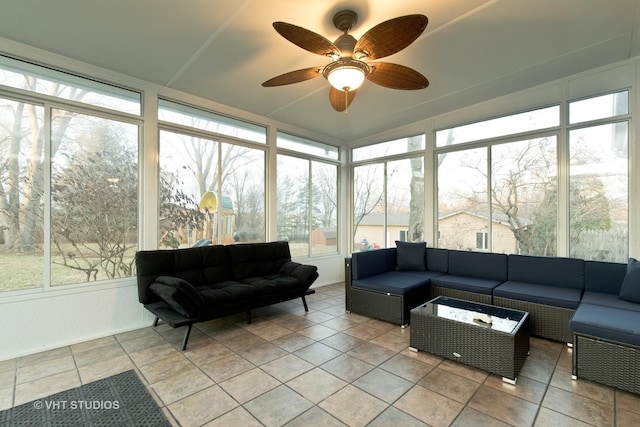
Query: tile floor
x=323 y=368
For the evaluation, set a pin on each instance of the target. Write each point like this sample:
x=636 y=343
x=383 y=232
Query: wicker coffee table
x=494 y=339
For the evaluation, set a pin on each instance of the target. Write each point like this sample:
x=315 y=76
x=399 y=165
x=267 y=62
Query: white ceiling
x=472 y=50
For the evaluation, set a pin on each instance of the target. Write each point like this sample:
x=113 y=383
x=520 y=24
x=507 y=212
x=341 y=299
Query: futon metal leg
x=155 y=322
x=186 y=338
x=304 y=301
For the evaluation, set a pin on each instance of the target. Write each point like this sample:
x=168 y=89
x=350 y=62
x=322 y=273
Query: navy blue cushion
x=438 y=259
x=478 y=264
x=630 y=290
x=604 y=277
x=411 y=256
x=608 y=300
x=395 y=282
x=605 y=322
x=552 y=271
x=370 y=263
x=539 y=294
x=469 y=284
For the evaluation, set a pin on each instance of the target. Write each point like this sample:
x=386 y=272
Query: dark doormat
x=120 y=400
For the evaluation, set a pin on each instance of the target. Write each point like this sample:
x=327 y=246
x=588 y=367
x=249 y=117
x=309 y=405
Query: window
x=482 y=240
x=307 y=197
x=180 y=114
x=68 y=179
x=210 y=191
x=388 y=148
x=542 y=118
x=388 y=198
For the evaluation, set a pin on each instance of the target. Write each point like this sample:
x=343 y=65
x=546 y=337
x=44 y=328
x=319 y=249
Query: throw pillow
x=411 y=256
x=630 y=289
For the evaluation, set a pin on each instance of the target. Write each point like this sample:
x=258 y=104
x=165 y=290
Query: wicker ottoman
x=487 y=337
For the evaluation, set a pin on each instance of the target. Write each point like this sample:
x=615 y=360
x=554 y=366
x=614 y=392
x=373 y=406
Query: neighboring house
x=456 y=230
x=470 y=231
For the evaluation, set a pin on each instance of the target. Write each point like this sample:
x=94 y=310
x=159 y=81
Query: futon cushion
x=179 y=294
x=539 y=294
x=630 y=290
x=411 y=256
x=606 y=322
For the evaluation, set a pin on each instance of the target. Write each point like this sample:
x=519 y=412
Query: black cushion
x=179 y=294
x=411 y=256
x=630 y=290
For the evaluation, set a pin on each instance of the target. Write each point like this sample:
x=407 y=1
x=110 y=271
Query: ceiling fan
x=350 y=66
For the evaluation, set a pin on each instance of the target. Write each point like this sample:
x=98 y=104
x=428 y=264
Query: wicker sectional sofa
x=570 y=300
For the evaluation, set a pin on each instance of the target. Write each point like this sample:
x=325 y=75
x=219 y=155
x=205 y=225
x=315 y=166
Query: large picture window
x=68 y=179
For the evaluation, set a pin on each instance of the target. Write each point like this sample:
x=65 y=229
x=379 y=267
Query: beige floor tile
x=7 y=378
x=391 y=341
x=627 y=401
x=315 y=417
x=472 y=418
x=239 y=341
x=353 y=406
x=504 y=406
x=450 y=385
x=525 y=388
x=287 y=367
x=371 y=353
x=202 y=407
x=105 y=369
x=292 y=341
x=580 y=407
x=143 y=342
x=44 y=369
x=546 y=417
x=165 y=368
x=206 y=352
x=395 y=417
x=42 y=387
x=317 y=353
x=182 y=385
x=6 y=398
x=563 y=380
x=347 y=368
x=278 y=406
x=8 y=365
x=343 y=342
x=465 y=371
x=406 y=367
x=249 y=385
x=137 y=333
x=316 y=384
x=317 y=332
x=228 y=367
x=364 y=332
x=627 y=418
x=89 y=345
x=383 y=385
x=43 y=356
x=236 y=417
x=263 y=353
x=153 y=354
x=94 y=355
x=429 y=407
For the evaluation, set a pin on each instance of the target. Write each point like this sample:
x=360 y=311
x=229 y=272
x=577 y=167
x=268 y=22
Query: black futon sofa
x=186 y=286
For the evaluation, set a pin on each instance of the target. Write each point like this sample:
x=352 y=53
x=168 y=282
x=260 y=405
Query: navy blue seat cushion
x=630 y=289
x=539 y=294
x=605 y=322
x=551 y=271
x=608 y=300
x=604 y=277
x=482 y=265
x=395 y=282
x=470 y=284
x=411 y=256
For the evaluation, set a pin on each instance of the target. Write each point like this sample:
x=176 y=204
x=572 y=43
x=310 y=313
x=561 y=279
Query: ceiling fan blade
x=308 y=40
x=293 y=77
x=390 y=37
x=339 y=99
x=396 y=76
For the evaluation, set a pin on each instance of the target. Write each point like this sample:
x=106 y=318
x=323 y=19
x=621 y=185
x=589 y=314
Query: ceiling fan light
x=346 y=74
x=346 y=78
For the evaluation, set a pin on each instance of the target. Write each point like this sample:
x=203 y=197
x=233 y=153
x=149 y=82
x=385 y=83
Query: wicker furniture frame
x=437 y=291
x=607 y=362
x=546 y=321
x=381 y=305
x=491 y=350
